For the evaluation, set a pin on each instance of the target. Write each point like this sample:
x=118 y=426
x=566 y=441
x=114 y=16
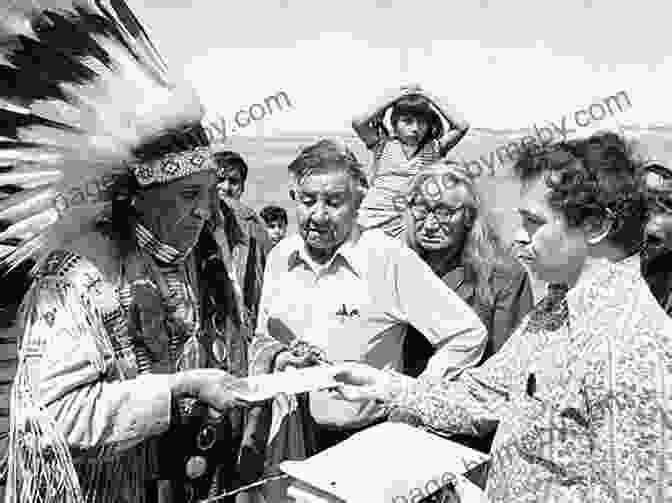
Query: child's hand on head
x=411 y=88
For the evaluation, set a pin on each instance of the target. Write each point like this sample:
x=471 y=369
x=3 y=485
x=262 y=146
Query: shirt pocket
x=350 y=325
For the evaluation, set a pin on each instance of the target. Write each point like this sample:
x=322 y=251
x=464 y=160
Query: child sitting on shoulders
x=423 y=130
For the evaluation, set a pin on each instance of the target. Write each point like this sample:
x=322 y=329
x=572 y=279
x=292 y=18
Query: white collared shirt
x=357 y=305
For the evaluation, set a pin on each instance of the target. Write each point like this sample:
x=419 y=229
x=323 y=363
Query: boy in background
x=275 y=219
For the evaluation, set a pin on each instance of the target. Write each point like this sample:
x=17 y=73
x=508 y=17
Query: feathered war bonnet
x=84 y=100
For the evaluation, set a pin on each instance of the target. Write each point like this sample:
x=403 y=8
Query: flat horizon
x=303 y=133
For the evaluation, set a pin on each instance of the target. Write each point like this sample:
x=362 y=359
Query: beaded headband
x=173 y=166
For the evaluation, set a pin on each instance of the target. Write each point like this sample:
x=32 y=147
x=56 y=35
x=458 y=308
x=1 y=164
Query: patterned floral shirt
x=598 y=425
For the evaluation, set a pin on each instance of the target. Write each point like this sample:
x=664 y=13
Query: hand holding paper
x=287 y=359
x=300 y=354
x=359 y=382
x=211 y=386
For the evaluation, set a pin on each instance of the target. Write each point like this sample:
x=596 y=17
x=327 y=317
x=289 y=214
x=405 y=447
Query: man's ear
x=597 y=229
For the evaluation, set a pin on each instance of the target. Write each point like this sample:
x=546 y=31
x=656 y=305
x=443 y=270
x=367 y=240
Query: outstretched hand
x=360 y=382
x=287 y=359
x=213 y=387
x=298 y=355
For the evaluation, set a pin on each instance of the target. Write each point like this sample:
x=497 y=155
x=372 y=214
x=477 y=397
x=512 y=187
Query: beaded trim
x=173 y=166
x=156 y=248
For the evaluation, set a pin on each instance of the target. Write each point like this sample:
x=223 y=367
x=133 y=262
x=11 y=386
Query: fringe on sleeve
x=40 y=465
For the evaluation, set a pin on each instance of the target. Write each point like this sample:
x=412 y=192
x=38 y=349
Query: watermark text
x=550 y=133
x=219 y=128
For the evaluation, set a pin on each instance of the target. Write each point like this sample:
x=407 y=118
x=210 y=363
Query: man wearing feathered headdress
x=132 y=326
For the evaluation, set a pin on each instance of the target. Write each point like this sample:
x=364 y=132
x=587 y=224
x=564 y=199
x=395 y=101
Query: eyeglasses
x=657 y=178
x=442 y=213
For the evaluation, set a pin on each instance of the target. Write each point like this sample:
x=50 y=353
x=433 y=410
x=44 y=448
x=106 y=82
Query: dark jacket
x=250 y=245
x=658 y=274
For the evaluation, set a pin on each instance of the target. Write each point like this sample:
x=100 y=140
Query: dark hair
x=328 y=153
x=272 y=213
x=595 y=177
x=219 y=293
x=118 y=223
x=417 y=106
x=227 y=159
x=15 y=282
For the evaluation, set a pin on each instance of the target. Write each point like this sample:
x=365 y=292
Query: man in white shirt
x=334 y=291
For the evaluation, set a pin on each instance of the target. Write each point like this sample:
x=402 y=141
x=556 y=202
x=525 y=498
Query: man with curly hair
x=582 y=391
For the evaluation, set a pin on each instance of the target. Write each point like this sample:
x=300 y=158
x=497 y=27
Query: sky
x=502 y=64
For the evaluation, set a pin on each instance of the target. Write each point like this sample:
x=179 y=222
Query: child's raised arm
x=367 y=125
x=458 y=124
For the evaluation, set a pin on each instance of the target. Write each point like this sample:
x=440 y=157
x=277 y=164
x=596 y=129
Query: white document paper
x=303 y=493
x=387 y=463
x=291 y=382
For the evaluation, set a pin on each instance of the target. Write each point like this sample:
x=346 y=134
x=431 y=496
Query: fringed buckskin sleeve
x=70 y=360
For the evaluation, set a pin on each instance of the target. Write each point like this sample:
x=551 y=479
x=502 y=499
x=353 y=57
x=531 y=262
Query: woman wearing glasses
x=448 y=227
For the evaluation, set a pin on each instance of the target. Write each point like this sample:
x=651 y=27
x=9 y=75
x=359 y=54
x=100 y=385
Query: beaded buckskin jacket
x=95 y=320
